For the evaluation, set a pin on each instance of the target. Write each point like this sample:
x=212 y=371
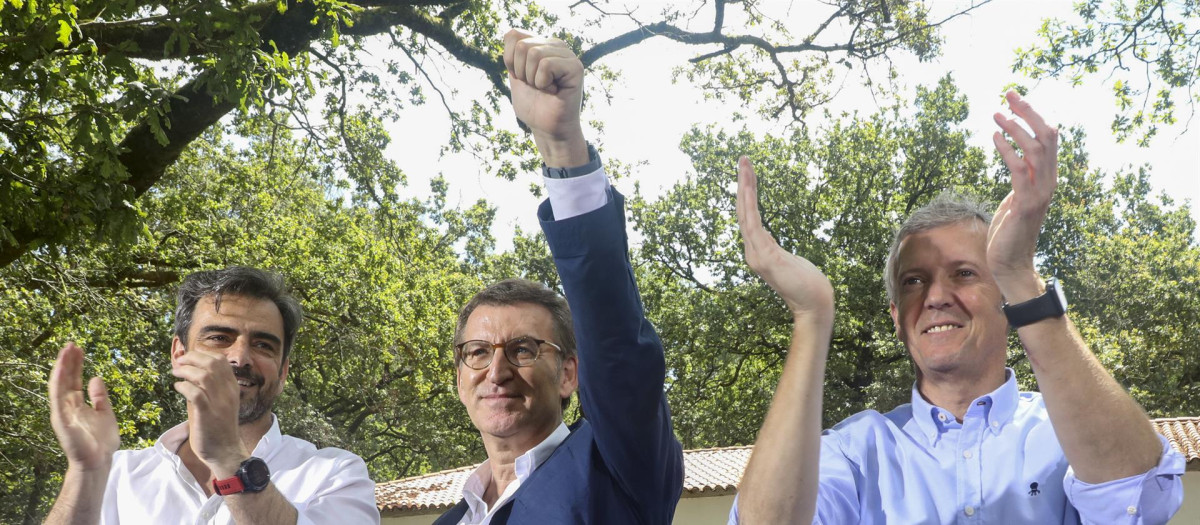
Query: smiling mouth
x=937 y=329
x=500 y=397
x=246 y=382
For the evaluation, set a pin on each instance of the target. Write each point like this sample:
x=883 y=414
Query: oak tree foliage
x=99 y=98
x=1147 y=50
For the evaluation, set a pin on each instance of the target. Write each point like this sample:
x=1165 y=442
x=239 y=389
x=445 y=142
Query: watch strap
x=592 y=165
x=228 y=486
x=1050 y=304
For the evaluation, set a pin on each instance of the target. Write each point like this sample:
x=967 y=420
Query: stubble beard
x=253 y=409
x=254 y=405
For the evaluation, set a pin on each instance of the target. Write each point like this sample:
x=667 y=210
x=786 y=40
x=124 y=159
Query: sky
x=649 y=114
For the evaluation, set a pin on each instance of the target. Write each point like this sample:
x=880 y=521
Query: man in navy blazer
x=515 y=343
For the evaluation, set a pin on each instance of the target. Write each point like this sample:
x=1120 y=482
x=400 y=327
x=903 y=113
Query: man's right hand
x=802 y=286
x=546 y=79
x=87 y=433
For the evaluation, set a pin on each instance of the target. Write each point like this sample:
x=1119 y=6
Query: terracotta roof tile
x=707 y=472
x=437 y=491
x=713 y=471
x=1184 y=435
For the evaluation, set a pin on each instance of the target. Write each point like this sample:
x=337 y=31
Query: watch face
x=257 y=476
x=1062 y=297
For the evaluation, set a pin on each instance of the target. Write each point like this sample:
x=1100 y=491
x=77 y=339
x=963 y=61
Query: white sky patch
x=649 y=114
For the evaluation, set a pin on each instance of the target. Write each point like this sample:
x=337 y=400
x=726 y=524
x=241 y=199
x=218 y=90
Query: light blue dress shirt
x=1001 y=465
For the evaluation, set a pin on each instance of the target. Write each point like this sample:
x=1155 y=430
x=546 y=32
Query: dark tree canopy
x=98 y=99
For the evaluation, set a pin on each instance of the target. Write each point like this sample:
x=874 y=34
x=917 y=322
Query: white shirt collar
x=478 y=512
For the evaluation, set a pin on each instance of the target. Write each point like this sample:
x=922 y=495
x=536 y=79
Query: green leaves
x=64 y=32
x=1147 y=47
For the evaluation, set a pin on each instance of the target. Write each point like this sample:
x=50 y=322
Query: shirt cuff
x=577 y=195
x=1152 y=497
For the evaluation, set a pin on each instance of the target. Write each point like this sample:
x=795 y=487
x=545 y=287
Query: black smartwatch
x=592 y=165
x=1050 y=304
x=252 y=476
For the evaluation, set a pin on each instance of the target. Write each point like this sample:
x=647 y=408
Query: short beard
x=254 y=410
x=249 y=412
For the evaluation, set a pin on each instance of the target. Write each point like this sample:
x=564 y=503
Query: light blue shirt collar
x=996 y=408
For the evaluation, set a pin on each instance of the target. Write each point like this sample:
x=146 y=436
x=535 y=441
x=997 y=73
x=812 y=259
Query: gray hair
x=947 y=208
x=521 y=291
x=241 y=281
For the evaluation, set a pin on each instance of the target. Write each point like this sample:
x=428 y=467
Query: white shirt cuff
x=577 y=195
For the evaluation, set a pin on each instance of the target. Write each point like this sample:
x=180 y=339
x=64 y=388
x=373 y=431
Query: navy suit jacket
x=621 y=465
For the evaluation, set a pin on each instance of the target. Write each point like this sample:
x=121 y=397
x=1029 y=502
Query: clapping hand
x=87 y=433
x=803 y=287
x=1012 y=238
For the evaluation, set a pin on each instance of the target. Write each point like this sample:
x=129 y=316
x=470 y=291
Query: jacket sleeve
x=621 y=362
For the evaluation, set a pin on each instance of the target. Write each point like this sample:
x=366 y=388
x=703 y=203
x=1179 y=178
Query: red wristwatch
x=251 y=476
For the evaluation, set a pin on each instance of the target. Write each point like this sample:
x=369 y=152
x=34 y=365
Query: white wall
x=421 y=519
x=712 y=510
x=1189 y=514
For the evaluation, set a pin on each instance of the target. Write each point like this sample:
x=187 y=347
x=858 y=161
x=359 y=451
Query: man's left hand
x=213 y=400
x=1012 y=238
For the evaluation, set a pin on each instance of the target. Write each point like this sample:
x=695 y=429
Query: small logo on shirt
x=1033 y=490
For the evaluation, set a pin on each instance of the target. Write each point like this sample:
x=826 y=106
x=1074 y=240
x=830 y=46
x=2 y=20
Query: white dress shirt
x=478 y=512
x=152 y=485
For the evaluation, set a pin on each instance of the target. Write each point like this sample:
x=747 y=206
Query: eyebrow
x=256 y=334
x=957 y=263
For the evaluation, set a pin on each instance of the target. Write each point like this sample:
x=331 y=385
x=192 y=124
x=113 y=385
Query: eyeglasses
x=521 y=351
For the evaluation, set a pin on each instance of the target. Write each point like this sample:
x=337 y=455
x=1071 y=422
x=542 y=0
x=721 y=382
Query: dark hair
x=242 y=281
x=520 y=291
x=945 y=209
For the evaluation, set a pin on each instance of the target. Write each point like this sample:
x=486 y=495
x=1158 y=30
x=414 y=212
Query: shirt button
x=942 y=417
x=970 y=511
x=995 y=423
x=967 y=454
x=1131 y=510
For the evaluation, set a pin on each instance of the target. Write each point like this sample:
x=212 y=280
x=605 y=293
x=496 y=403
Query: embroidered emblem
x=1033 y=490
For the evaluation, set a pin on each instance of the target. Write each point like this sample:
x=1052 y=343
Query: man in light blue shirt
x=969 y=448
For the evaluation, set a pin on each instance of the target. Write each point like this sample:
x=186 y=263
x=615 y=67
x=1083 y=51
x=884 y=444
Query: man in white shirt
x=228 y=463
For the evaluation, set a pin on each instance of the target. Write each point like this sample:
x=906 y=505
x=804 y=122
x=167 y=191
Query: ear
x=569 y=382
x=895 y=317
x=177 y=349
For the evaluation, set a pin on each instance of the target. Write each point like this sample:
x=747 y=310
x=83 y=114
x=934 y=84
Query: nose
x=938 y=294
x=500 y=370
x=238 y=353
